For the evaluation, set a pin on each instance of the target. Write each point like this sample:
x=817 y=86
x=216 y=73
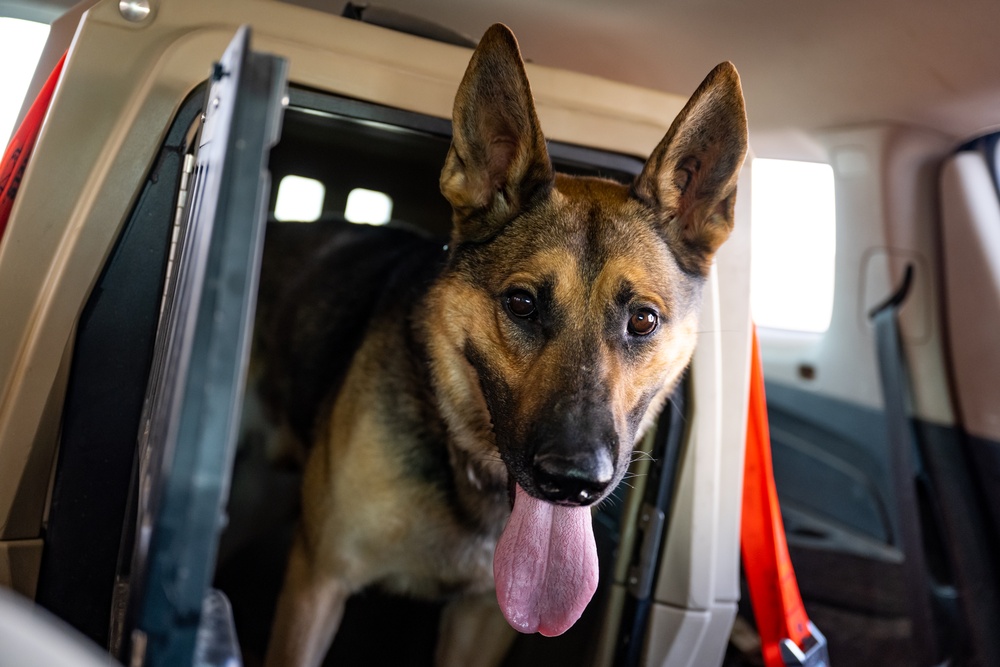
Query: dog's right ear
x=497 y=162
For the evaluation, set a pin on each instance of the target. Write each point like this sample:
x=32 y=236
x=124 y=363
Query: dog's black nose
x=573 y=479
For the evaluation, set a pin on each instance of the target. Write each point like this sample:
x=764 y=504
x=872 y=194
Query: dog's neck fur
x=479 y=482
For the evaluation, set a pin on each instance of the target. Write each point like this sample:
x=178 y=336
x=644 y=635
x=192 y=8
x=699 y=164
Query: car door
x=182 y=464
x=851 y=509
x=185 y=456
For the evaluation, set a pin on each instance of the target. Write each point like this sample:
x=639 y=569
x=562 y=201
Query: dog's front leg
x=309 y=610
x=473 y=632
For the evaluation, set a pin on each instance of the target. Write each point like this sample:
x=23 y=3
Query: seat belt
x=906 y=470
x=788 y=638
x=15 y=157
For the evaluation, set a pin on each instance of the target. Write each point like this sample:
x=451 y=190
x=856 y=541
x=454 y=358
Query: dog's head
x=569 y=306
x=573 y=302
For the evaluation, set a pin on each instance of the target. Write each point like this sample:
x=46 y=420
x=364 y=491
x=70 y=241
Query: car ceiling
x=806 y=66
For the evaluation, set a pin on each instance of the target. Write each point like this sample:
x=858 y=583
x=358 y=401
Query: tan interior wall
x=970 y=213
x=886 y=217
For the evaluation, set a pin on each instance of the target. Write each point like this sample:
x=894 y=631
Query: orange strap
x=15 y=158
x=773 y=590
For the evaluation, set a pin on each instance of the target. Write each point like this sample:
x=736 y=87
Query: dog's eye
x=643 y=322
x=520 y=303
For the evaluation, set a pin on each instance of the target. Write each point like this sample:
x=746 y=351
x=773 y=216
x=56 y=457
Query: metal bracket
x=813 y=652
x=640 y=575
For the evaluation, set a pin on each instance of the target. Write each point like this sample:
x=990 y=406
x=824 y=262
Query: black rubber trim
x=988 y=146
x=563 y=154
x=393 y=19
x=104 y=399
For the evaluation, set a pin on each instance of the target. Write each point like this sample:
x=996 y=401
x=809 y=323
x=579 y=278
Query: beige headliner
x=805 y=65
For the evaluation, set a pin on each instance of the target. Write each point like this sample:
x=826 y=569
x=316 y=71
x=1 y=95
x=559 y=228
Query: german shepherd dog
x=492 y=391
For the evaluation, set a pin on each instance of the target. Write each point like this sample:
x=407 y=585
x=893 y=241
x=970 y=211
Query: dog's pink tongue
x=545 y=565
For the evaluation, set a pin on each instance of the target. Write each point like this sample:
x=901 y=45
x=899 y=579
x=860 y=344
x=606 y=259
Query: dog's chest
x=402 y=512
x=419 y=540
x=439 y=568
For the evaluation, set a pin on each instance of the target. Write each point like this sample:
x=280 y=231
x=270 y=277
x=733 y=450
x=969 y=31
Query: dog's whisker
x=679 y=412
x=611 y=501
x=488 y=457
x=708 y=331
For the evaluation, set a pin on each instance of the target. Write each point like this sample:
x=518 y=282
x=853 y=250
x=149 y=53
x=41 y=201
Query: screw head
x=134 y=11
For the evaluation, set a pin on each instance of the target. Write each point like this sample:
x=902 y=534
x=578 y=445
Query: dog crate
x=91 y=246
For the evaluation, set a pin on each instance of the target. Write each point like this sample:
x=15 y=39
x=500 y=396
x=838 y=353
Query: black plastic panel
x=829 y=459
x=985 y=455
x=962 y=549
x=111 y=363
x=840 y=514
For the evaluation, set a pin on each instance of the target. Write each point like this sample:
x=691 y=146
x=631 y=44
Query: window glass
x=368 y=206
x=793 y=245
x=21 y=45
x=300 y=199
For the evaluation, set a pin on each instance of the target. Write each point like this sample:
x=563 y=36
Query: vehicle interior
x=866 y=254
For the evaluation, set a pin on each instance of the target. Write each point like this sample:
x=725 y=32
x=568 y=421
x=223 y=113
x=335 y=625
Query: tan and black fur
x=428 y=382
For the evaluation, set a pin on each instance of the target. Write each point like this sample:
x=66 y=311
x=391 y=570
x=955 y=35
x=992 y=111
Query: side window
x=21 y=45
x=368 y=206
x=300 y=199
x=793 y=245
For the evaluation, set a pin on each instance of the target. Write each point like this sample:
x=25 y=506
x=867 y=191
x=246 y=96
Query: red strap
x=773 y=590
x=15 y=158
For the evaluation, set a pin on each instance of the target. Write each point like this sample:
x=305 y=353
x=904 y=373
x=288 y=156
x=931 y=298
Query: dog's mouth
x=545 y=565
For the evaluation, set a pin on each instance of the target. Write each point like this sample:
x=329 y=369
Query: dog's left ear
x=497 y=162
x=690 y=179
